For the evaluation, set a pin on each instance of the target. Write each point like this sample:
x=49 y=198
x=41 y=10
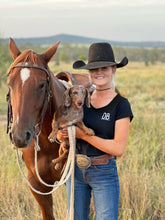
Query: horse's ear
x=88 y=98
x=15 y=52
x=50 y=52
x=67 y=98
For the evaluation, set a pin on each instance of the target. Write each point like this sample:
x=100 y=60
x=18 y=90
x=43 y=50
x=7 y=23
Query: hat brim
x=79 y=64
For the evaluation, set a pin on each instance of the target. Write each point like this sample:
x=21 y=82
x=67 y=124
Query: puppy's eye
x=74 y=92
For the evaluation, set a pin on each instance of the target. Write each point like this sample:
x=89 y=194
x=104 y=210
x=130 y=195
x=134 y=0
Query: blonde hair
x=113 y=81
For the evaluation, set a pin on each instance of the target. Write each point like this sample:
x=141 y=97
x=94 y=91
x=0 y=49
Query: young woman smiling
x=109 y=116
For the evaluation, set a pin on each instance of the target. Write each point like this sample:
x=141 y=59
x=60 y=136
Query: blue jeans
x=103 y=181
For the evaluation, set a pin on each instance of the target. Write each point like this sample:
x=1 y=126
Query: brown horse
x=34 y=95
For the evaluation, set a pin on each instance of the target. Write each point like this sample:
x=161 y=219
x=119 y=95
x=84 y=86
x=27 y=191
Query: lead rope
x=68 y=171
x=66 y=174
x=69 y=168
x=72 y=141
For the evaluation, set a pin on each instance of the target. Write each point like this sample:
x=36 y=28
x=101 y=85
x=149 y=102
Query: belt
x=84 y=161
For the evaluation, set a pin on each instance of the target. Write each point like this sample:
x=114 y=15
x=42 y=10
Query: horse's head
x=29 y=90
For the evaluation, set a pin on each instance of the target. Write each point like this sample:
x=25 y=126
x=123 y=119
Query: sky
x=117 y=20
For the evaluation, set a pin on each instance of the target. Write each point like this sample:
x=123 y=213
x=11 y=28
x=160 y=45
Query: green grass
x=3 y=104
x=141 y=169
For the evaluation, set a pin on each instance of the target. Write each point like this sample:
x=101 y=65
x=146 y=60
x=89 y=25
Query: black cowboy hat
x=100 y=55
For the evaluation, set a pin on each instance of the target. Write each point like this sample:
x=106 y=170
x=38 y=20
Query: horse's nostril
x=28 y=135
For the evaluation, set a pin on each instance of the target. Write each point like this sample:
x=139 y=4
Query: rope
x=68 y=168
x=29 y=184
x=72 y=142
x=68 y=171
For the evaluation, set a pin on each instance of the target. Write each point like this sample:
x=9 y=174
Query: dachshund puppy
x=71 y=113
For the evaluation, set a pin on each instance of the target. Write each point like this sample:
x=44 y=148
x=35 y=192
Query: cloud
x=109 y=19
x=84 y=3
x=102 y=4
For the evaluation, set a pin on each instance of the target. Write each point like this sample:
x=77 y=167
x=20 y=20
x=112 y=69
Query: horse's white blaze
x=25 y=74
x=17 y=120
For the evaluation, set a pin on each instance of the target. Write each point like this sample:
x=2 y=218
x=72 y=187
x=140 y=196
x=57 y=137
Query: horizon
x=82 y=37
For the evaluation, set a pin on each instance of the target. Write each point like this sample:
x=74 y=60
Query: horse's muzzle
x=21 y=140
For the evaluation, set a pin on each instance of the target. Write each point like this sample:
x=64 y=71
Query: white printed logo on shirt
x=105 y=116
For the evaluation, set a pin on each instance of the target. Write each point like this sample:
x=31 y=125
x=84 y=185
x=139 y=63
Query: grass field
x=141 y=169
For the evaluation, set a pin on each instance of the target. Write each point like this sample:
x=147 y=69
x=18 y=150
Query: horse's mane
x=26 y=56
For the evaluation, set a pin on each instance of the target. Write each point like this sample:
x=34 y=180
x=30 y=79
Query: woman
x=109 y=116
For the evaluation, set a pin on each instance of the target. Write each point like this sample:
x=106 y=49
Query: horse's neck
x=57 y=89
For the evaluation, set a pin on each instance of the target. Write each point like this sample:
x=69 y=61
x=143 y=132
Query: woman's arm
x=115 y=146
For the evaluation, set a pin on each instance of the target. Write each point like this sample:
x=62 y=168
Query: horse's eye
x=41 y=86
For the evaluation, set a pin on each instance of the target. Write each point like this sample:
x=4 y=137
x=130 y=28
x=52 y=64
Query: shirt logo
x=105 y=116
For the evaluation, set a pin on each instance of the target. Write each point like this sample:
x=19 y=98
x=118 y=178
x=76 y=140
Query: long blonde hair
x=113 y=81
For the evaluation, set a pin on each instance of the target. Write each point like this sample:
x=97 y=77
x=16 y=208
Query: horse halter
x=48 y=95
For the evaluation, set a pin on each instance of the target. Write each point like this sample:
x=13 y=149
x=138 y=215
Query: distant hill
x=73 y=39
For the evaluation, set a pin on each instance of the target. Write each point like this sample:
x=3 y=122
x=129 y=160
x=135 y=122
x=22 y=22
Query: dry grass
x=141 y=169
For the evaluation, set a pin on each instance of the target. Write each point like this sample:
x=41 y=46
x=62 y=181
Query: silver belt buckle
x=83 y=161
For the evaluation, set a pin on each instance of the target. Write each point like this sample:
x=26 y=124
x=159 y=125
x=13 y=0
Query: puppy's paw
x=58 y=166
x=90 y=132
x=52 y=137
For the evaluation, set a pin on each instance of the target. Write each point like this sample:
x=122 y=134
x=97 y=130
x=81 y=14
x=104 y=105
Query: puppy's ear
x=67 y=98
x=88 y=98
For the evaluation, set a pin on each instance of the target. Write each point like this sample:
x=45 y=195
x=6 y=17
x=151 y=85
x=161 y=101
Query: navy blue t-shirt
x=102 y=121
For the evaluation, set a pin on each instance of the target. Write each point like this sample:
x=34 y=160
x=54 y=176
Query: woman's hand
x=64 y=133
x=79 y=133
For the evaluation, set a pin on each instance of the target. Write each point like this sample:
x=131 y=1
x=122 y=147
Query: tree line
x=70 y=52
